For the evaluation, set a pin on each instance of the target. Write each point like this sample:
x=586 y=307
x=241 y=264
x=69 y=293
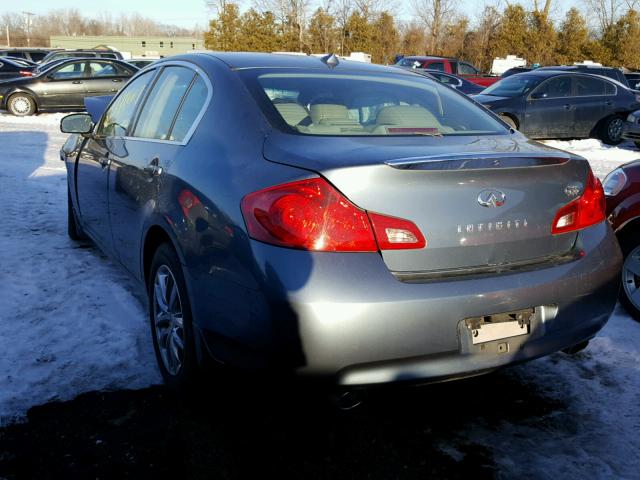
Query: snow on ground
x=69 y=320
x=71 y=323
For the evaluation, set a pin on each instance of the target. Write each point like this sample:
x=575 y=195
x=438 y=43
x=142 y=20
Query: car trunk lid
x=491 y=202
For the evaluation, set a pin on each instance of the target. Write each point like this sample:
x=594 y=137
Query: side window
x=162 y=103
x=610 y=88
x=105 y=69
x=467 y=69
x=588 y=86
x=69 y=71
x=118 y=118
x=556 y=87
x=436 y=66
x=191 y=107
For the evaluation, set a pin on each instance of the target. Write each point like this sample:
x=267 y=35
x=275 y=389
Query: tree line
x=36 y=30
x=437 y=27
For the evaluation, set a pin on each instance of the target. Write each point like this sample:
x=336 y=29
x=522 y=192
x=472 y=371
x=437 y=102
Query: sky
x=188 y=13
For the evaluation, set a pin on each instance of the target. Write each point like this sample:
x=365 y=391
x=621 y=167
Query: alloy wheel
x=615 y=129
x=168 y=320
x=631 y=277
x=21 y=105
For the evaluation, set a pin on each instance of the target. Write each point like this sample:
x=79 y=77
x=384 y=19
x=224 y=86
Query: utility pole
x=28 y=21
x=8 y=40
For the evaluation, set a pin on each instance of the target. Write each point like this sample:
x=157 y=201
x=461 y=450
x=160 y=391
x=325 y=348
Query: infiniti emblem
x=491 y=198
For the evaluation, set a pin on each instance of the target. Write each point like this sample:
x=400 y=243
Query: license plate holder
x=499 y=326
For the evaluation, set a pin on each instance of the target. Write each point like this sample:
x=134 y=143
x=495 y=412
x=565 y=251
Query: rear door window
x=466 y=69
x=106 y=69
x=588 y=86
x=163 y=102
x=436 y=66
x=191 y=107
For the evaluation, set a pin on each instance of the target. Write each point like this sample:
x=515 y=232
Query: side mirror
x=539 y=95
x=76 y=123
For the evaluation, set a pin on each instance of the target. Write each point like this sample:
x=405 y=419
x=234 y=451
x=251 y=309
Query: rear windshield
x=345 y=103
x=513 y=86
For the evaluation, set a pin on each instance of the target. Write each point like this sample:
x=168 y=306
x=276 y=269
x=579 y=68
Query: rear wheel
x=171 y=321
x=21 y=105
x=630 y=291
x=611 y=130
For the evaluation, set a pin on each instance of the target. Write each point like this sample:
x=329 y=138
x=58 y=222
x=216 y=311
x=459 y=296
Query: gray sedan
x=336 y=219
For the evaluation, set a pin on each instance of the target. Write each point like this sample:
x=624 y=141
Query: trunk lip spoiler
x=480 y=160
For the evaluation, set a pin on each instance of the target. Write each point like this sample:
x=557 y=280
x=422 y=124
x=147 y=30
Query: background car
x=514 y=71
x=32 y=54
x=448 y=65
x=12 y=69
x=459 y=83
x=614 y=73
x=631 y=128
x=64 y=85
x=342 y=220
x=552 y=104
x=140 y=62
x=634 y=79
x=58 y=54
x=622 y=189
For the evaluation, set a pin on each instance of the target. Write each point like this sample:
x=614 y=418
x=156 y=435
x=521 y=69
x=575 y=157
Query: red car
x=622 y=190
x=448 y=65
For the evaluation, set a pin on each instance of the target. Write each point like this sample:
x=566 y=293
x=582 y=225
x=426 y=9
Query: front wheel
x=630 y=291
x=611 y=130
x=171 y=321
x=21 y=105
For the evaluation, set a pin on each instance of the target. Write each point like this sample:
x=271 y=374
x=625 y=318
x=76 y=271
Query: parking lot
x=78 y=326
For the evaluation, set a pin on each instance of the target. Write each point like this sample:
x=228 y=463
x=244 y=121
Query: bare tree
x=606 y=12
x=434 y=15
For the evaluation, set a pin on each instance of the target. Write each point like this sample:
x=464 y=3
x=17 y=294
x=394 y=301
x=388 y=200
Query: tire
x=171 y=320
x=509 y=121
x=610 y=131
x=630 y=245
x=74 y=230
x=578 y=347
x=21 y=105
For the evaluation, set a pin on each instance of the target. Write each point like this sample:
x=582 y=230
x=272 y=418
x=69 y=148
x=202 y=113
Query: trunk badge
x=491 y=198
x=573 y=189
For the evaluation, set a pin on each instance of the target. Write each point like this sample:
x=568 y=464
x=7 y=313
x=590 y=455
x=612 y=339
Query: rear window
x=513 y=86
x=332 y=103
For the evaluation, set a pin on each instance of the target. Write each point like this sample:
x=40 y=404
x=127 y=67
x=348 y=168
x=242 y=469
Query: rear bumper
x=346 y=316
x=631 y=131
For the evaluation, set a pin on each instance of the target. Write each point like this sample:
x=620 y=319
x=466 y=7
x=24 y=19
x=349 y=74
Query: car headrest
x=320 y=111
x=409 y=115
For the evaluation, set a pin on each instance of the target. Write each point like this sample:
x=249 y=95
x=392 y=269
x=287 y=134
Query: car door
x=589 y=103
x=135 y=177
x=107 y=143
x=549 y=109
x=63 y=87
x=105 y=77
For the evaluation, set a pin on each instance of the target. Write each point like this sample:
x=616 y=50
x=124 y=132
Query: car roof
x=427 y=57
x=246 y=60
x=577 y=67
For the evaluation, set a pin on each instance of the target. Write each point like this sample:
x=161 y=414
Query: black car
x=113 y=54
x=32 y=54
x=10 y=68
x=634 y=79
x=631 y=128
x=459 y=83
x=614 y=73
x=553 y=104
x=64 y=85
x=514 y=71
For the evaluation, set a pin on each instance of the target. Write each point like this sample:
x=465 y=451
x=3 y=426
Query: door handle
x=154 y=168
x=117 y=80
x=568 y=106
x=77 y=82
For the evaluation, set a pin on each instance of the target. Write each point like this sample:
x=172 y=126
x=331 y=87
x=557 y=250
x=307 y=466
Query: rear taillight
x=583 y=212
x=26 y=73
x=312 y=215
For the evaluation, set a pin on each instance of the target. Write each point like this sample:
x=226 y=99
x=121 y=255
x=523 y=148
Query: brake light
x=26 y=73
x=312 y=215
x=583 y=212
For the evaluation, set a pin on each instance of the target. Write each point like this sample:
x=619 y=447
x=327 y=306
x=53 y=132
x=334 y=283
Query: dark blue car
x=562 y=104
x=337 y=219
